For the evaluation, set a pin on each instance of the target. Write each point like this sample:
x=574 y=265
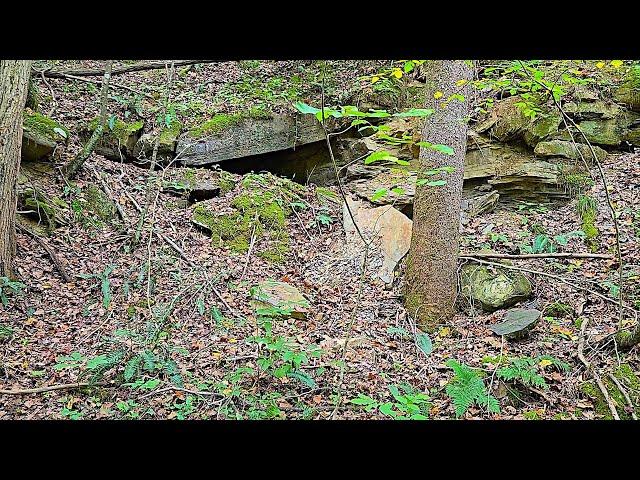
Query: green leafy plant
x=467 y=388
x=105 y=283
x=6 y=286
x=526 y=370
x=409 y=404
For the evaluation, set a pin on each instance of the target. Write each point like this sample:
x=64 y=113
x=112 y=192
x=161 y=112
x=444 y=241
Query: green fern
x=525 y=370
x=467 y=388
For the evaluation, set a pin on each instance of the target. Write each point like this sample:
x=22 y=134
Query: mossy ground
x=261 y=207
x=630 y=382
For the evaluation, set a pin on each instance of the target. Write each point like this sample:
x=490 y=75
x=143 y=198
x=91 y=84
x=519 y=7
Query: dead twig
x=588 y=365
x=539 y=255
x=54 y=258
x=64 y=386
x=625 y=394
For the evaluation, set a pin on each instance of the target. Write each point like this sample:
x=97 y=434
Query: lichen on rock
x=494 y=288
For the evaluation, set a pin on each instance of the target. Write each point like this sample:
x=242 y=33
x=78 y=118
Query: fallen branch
x=539 y=255
x=136 y=67
x=625 y=395
x=596 y=377
x=97 y=82
x=64 y=386
x=54 y=258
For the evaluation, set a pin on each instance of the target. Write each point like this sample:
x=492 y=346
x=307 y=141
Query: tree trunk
x=431 y=279
x=14 y=83
x=71 y=169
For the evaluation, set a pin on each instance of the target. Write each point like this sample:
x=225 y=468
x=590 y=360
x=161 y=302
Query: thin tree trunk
x=431 y=280
x=71 y=169
x=14 y=84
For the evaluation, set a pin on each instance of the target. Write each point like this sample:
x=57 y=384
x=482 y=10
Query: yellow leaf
x=444 y=332
x=545 y=363
x=600 y=64
x=226 y=392
x=438 y=94
x=397 y=73
x=374 y=79
x=460 y=83
x=616 y=63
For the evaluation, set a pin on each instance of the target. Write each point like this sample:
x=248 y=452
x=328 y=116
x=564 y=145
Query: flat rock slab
x=389 y=229
x=281 y=295
x=251 y=136
x=517 y=323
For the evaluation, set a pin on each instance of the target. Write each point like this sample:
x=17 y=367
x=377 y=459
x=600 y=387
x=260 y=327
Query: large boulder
x=387 y=228
x=226 y=137
x=40 y=136
x=505 y=121
x=493 y=288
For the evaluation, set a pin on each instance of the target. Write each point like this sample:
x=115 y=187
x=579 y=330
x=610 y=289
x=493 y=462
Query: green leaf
x=378 y=194
x=305 y=109
x=97 y=362
x=387 y=409
x=303 y=377
x=430 y=183
x=415 y=112
x=381 y=155
x=424 y=342
x=362 y=399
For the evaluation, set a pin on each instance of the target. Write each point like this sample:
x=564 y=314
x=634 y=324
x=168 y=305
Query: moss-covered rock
x=47 y=211
x=542 y=127
x=167 y=141
x=629 y=381
x=98 y=203
x=592 y=110
x=561 y=148
x=222 y=121
x=40 y=135
x=260 y=208
x=118 y=140
x=506 y=121
x=494 y=288
x=628 y=93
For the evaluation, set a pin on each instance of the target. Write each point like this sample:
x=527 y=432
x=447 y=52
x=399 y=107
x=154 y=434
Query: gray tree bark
x=431 y=279
x=14 y=83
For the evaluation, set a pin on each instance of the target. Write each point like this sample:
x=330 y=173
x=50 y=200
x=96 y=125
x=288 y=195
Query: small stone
x=517 y=323
x=281 y=295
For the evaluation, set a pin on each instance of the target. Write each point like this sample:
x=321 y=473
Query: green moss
x=33 y=96
x=631 y=384
x=558 y=310
x=121 y=130
x=39 y=124
x=222 y=121
x=574 y=181
x=587 y=208
x=226 y=182
x=629 y=90
x=98 y=203
x=261 y=208
x=169 y=134
x=324 y=194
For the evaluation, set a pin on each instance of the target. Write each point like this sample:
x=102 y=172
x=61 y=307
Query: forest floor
x=210 y=347
x=193 y=329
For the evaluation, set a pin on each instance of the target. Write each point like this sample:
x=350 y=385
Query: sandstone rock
x=118 y=140
x=40 y=136
x=628 y=93
x=541 y=128
x=505 y=121
x=561 y=148
x=167 y=142
x=280 y=295
x=243 y=136
x=493 y=288
x=592 y=110
x=388 y=228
